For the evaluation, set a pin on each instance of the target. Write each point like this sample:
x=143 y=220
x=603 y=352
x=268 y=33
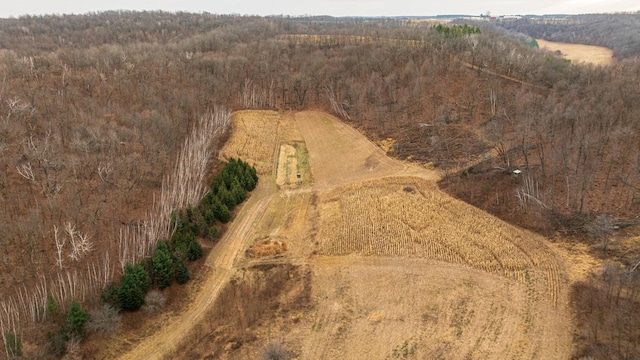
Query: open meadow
x=590 y=54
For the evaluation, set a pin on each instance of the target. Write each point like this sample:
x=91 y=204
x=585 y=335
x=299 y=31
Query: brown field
x=596 y=55
x=395 y=268
x=253 y=137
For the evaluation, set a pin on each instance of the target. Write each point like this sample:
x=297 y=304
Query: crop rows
x=254 y=138
x=409 y=217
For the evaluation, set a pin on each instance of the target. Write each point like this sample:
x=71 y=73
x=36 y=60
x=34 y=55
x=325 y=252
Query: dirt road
x=220 y=269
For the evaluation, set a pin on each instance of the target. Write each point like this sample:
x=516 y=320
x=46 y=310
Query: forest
x=98 y=111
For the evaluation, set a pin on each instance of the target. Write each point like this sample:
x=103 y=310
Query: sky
x=16 y=8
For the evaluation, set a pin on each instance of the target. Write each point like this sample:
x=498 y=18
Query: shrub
x=274 y=351
x=154 y=302
x=103 y=320
x=13 y=344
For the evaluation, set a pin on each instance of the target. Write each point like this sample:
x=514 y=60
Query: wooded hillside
x=618 y=32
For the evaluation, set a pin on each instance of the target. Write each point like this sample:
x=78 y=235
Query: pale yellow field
x=402 y=216
x=596 y=55
x=254 y=137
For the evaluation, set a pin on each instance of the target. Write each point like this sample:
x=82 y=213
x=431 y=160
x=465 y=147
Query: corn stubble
x=411 y=217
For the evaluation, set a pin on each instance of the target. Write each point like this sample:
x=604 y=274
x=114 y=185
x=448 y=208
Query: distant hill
x=618 y=32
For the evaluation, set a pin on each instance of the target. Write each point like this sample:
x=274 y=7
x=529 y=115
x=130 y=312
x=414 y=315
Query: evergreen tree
x=182 y=272
x=238 y=192
x=194 y=249
x=226 y=198
x=221 y=211
x=249 y=182
x=13 y=345
x=133 y=286
x=215 y=184
x=110 y=295
x=162 y=266
x=52 y=306
x=209 y=215
x=213 y=233
x=75 y=320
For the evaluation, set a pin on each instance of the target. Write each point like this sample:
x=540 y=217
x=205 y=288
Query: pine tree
x=194 y=249
x=52 y=306
x=213 y=233
x=133 y=286
x=75 y=320
x=182 y=272
x=226 y=198
x=162 y=266
x=238 y=192
x=221 y=211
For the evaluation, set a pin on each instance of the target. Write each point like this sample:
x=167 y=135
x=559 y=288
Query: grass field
x=596 y=55
x=400 y=269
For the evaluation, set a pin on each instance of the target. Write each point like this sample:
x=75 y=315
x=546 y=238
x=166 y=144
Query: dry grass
x=596 y=55
x=409 y=216
x=339 y=154
x=415 y=308
x=254 y=138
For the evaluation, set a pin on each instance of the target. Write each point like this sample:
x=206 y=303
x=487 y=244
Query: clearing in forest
x=396 y=269
x=596 y=55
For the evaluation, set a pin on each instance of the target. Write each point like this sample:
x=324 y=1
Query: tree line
x=167 y=264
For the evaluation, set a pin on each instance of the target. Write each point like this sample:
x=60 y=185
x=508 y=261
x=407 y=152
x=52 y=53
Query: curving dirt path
x=220 y=269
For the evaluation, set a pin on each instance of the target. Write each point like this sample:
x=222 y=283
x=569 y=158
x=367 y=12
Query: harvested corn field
x=402 y=216
x=254 y=138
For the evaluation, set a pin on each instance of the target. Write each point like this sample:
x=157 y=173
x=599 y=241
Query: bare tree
x=601 y=228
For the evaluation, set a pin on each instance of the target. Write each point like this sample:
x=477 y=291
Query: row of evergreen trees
x=228 y=189
x=457 y=30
